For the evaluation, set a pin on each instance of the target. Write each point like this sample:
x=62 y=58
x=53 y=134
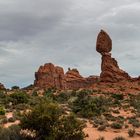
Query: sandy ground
x=108 y=134
x=9 y=115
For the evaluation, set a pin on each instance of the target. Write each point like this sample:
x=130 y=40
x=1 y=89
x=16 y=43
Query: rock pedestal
x=110 y=71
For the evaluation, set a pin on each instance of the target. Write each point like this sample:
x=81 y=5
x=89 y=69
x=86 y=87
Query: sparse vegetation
x=131 y=132
x=88 y=106
x=56 y=107
x=46 y=120
x=101 y=138
x=116 y=125
x=2 y=110
x=119 y=138
x=11 y=133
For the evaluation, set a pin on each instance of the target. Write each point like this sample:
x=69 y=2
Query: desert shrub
x=120 y=119
x=19 y=97
x=11 y=133
x=2 y=110
x=88 y=106
x=116 y=111
x=131 y=132
x=102 y=127
x=11 y=119
x=15 y=87
x=135 y=102
x=62 y=97
x=118 y=96
x=70 y=131
x=126 y=126
x=116 y=125
x=135 y=122
x=109 y=117
x=100 y=138
x=47 y=120
x=119 y=138
x=73 y=93
x=3 y=120
x=99 y=120
x=116 y=102
x=2 y=94
x=34 y=93
x=49 y=92
x=22 y=106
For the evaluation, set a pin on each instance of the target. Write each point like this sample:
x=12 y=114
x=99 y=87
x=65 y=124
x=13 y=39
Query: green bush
x=102 y=127
x=69 y=128
x=101 y=138
x=49 y=123
x=11 y=133
x=2 y=110
x=118 y=96
x=2 y=94
x=131 y=132
x=88 y=106
x=15 y=87
x=3 y=120
x=135 y=102
x=61 y=97
x=116 y=125
x=135 y=122
x=11 y=119
x=119 y=138
x=19 y=97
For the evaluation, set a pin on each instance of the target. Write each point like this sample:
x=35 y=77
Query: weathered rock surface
x=50 y=76
x=74 y=80
x=104 y=42
x=110 y=71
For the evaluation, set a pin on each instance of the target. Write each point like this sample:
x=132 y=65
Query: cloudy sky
x=34 y=32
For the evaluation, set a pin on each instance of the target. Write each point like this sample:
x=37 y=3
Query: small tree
x=19 y=97
x=2 y=110
x=47 y=121
x=11 y=133
x=15 y=87
x=131 y=132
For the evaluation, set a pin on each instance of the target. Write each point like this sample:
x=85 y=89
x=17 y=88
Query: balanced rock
x=110 y=71
x=104 y=42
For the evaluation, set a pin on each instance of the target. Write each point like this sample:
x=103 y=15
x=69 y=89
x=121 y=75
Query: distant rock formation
x=75 y=80
x=50 y=76
x=2 y=87
x=110 y=71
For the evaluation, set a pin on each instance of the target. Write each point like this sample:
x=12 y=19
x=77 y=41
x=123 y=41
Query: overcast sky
x=35 y=32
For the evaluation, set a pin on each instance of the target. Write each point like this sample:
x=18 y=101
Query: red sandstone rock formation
x=104 y=42
x=109 y=67
x=49 y=76
x=74 y=80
